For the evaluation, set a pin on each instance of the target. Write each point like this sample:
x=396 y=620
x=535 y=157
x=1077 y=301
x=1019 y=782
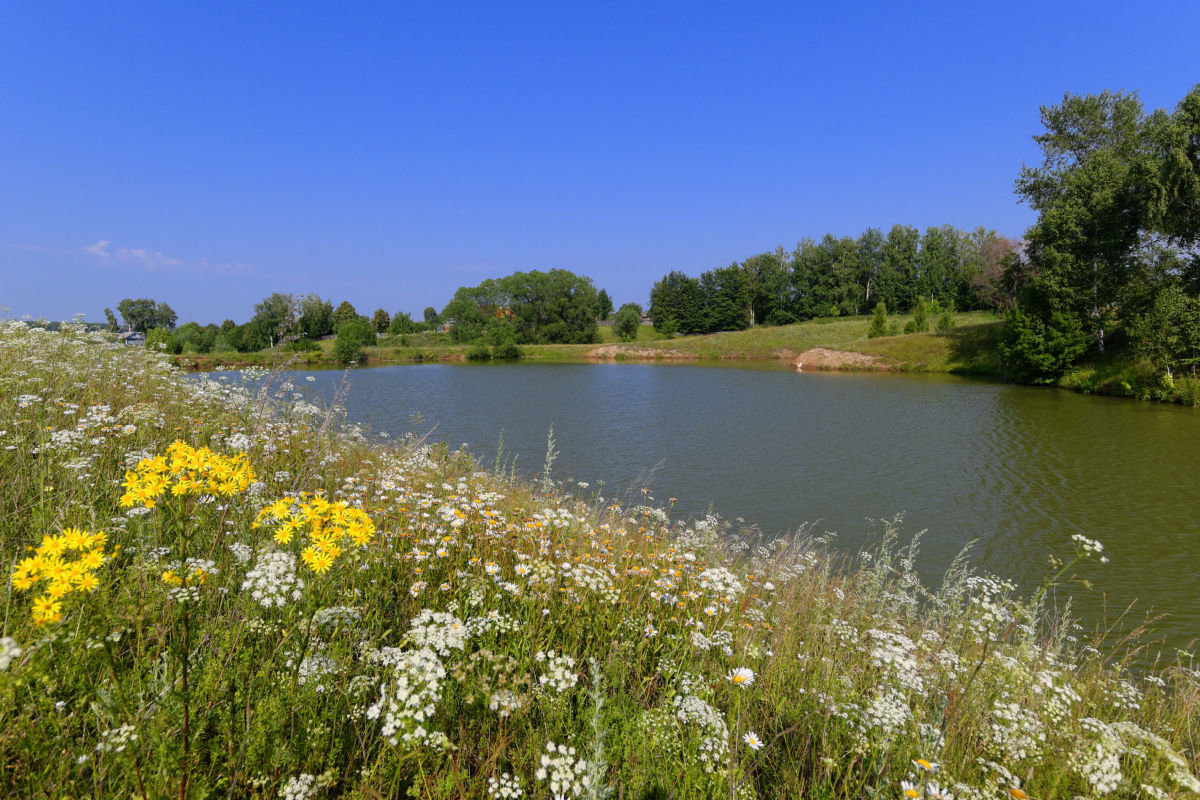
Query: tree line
x=294 y=321
x=838 y=276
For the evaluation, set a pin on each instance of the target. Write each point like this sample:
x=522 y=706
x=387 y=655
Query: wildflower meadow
x=217 y=588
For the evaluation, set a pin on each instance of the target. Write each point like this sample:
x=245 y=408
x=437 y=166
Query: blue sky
x=208 y=154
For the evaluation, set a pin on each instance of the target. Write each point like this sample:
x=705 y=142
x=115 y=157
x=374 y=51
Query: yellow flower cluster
x=185 y=470
x=62 y=575
x=325 y=524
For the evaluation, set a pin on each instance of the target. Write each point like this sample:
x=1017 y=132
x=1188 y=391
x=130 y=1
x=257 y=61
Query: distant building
x=132 y=337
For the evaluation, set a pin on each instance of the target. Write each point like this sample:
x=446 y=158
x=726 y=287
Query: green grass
x=968 y=347
x=485 y=620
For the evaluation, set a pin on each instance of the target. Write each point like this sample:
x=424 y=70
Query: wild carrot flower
x=9 y=652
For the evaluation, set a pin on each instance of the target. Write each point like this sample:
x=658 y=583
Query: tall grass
x=468 y=635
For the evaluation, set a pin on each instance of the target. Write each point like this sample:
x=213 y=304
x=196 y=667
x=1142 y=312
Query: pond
x=1017 y=470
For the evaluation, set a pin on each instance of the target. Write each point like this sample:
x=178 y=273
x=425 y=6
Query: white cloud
x=150 y=259
x=99 y=249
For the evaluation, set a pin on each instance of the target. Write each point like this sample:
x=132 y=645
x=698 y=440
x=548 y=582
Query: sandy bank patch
x=611 y=352
x=822 y=358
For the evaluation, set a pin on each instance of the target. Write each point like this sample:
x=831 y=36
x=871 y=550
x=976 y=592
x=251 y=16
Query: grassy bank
x=969 y=347
x=301 y=612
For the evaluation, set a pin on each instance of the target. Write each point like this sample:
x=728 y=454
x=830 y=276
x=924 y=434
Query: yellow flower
x=318 y=561
x=92 y=559
x=52 y=546
x=87 y=582
x=284 y=534
x=308 y=554
x=23 y=581
x=46 y=609
x=75 y=539
x=171 y=579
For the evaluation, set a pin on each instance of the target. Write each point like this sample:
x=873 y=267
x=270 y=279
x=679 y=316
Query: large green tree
x=540 y=308
x=143 y=314
x=676 y=304
x=726 y=293
x=316 y=316
x=1118 y=222
x=604 y=305
x=769 y=283
x=345 y=312
x=275 y=319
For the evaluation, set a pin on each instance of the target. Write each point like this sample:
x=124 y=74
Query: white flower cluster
x=241 y=552
x=721 y=639
x=299 y=787
x=313 y=667
x=1125 y=695
x=9 y=652
x=720 y=582
x=408 y=701
x=439 y=631
x=843 y=630
x=335 y=616
x=116 y=739
x=714 y=734
x=273 y=580
x=595 y=581
x=563 y=770
x=887 y=712
x=238 y=441
x=505 y=787
x=561 y=674
x=492 y=621
x=895 y=654
x=1018 y=733
x=1060 y=698
x=1089 y=547
x=504 y=702
x=1100 y=765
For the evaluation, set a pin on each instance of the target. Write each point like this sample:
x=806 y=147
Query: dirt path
x=610 y=352
x=822 y=358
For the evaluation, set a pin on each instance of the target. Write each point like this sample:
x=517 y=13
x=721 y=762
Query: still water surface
x=1017 y=469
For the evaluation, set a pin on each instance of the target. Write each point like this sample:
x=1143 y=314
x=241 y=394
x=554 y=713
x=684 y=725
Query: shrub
x=1039 y=350
x=161 y=340
x=507 y=351
x=879 y=322
x=352 y=337
x=920 y=317
x=478 y=352
x=627 y=322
